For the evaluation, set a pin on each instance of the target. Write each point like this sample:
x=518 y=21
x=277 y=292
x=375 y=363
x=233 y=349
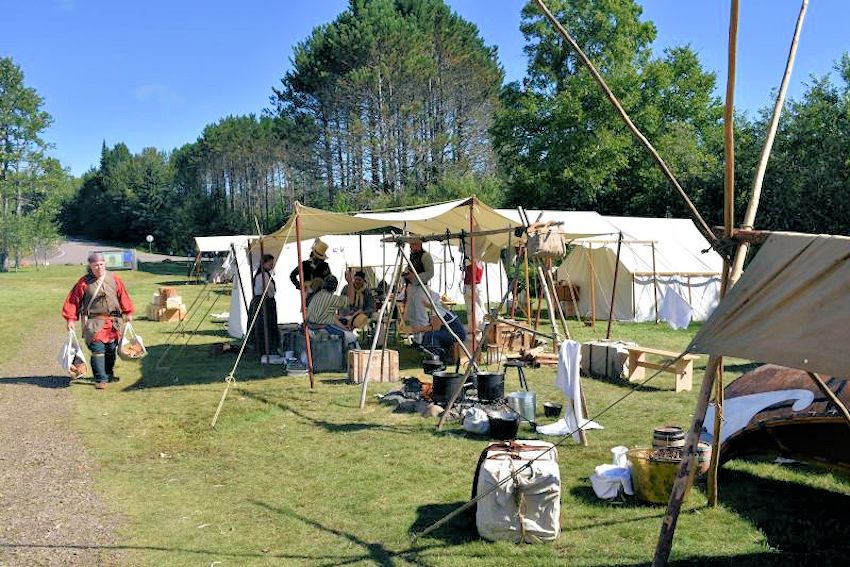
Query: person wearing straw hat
x=315 y=266
x=100 y=300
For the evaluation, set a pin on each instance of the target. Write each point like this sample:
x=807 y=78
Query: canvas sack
x=547 y=245
x=71 y=357
x=526 y=507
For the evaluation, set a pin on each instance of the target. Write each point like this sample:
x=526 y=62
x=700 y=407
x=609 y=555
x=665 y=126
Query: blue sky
x=154 y=73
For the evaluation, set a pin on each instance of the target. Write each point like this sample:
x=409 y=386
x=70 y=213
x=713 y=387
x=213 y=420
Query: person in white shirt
x=265 y=333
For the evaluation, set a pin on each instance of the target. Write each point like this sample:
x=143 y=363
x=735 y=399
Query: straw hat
x=359 y=321
x=320 y=249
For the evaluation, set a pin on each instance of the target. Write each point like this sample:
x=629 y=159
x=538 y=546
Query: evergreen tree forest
x=400 y=102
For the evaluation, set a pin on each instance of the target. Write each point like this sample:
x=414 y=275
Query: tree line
x=400 y=102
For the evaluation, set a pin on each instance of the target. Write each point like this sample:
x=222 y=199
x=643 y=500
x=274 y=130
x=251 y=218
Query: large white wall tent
x=658 y=255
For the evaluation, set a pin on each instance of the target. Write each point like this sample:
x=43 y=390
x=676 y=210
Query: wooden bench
x=683 y=368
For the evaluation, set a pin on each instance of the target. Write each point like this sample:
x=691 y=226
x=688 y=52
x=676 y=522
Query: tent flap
x=790 y=307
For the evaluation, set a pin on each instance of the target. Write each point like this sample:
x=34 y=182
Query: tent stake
x=303 y=298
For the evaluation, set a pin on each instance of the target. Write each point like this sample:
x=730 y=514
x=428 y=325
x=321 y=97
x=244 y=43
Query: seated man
x=321 y=312
x=436 y=333
x=360 y=297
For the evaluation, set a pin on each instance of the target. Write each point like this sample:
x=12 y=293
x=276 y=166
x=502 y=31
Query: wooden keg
x=668 y=436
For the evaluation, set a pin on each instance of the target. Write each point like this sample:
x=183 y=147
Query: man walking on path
x=100 y=300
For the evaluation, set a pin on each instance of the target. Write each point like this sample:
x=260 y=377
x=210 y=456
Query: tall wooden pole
x=303 y=297
x=614 y=287
x=473 y=266
x=692 y=210
x=592 y=287
x=755 y=195
x=686 y=469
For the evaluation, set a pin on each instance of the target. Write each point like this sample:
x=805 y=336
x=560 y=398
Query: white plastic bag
x=71 y=357
x=131 y=347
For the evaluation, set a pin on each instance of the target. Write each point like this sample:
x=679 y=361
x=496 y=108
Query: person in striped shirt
x=322 y=311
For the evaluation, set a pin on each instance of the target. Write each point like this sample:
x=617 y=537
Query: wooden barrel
x=668 y=436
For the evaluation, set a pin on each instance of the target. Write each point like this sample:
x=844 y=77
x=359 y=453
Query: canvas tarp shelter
x=790 y=307
x=344 y=251
x=657 y=255
x=214 y=244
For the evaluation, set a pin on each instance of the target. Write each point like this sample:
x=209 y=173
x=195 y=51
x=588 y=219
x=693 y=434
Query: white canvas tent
x=657 y=255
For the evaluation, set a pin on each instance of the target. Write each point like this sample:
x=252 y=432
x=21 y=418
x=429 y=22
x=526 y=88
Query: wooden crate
x=509 y=338
x=357 y=360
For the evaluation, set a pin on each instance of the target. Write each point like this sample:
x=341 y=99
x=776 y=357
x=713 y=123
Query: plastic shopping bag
x=71 y=357
x=132 y=347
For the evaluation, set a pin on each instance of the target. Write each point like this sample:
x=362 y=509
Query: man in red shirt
x=100 y=300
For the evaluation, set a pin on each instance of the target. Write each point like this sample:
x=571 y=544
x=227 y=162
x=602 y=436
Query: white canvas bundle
x=526 y=508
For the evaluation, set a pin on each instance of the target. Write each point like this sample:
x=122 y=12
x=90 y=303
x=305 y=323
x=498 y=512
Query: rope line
x=566 y=436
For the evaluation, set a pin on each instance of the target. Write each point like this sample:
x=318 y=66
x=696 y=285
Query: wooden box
x=562 y=290
x=357 y=360
x=509 y=338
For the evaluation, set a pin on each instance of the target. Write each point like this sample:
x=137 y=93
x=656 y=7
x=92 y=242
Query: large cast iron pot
x=445 y=384
x=490 y=386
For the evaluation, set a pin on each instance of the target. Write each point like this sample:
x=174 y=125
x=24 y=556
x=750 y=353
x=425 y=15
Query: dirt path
x=50 y=513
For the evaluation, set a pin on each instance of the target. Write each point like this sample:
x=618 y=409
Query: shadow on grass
x=329 y=426
x=41 y=381
x=174 y=268
x=625 y=384
x=741 y=368
x=459 y=530
x=375 y=553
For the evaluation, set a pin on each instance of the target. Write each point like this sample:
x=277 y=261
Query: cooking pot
x=552 y=409
x=490 y=386
x=430 y=365
x=445 y=384
x=504 y=424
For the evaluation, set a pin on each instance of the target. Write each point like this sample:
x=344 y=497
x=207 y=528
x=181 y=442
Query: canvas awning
x=575 y=224
x=453 y=216
x=791 y=307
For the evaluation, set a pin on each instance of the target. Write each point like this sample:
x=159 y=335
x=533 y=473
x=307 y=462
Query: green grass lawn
x=294 y=476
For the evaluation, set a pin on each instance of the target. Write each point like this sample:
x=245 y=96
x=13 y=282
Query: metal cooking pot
x=504 y=424
x=445 y=384
x=430 y=365
x=490 y=386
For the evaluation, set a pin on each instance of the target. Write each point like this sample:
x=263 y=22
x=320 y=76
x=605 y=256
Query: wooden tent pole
x=614 y=287
x=473 y=266
x=728 y=227
x=755 y=194
x=265 y=306
x=390 y=295
x=692 y=210
x=687 y=468
x=654 y=283
x=831 y=395
x=303 y=296
x=528 y=290
x=592 y=287
x=491 y=322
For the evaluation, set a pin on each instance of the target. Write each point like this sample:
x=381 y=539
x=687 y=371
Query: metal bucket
x=525 y=404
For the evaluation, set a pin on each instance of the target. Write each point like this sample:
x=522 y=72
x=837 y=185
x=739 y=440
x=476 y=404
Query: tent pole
x=265 y=306
x=728 y=228
x=528 y=290
x=391 y=294
x=554 y=291
x=394 y=290
x=592 y=287
x=303 y=298
x=654 y=282
x=491 y=323
x=686 y=468
x=473 y=266
x=614 y=286
x=831 y=395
